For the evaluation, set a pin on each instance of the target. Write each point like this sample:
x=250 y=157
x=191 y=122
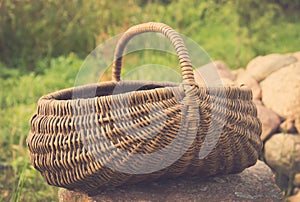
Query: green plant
x=18 y=99
x=232 y=31
x=33 y=30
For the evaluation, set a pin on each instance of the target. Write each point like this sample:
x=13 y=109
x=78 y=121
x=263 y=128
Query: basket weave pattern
x=101 y=135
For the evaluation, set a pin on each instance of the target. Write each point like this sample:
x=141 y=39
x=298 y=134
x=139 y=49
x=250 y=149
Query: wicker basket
x=108 y=134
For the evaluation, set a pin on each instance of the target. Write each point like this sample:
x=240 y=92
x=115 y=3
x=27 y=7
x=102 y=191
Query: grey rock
x=297 y=123
x=262 y=66
x=224 y=70
x=255 y=183
x=236 y=72
x=281 y=91
x=269 y=119
x=288 y=126
x=296 y=181
x=294 y=198
x=214 y=74
x=297 y=55
x=282 y=153
x=249 y=81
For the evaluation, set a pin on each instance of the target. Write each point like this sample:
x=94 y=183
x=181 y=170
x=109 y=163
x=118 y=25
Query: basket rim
x=145 y=86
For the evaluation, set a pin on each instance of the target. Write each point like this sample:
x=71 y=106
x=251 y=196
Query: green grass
x=19 y=95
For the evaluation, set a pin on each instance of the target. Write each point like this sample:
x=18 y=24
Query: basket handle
x=173 y=36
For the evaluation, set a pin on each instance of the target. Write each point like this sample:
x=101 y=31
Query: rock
x=296 y=181
x=283 y=182
x=294 y=198
x=253 y=184
x=282 y=153
x=65 y=195
x=249 y=81
x=281 y=91
x=297 y=55
x=236 y=72
x=288 y=126
x=295 y=190
x=224 y=70
x=262 y=66
x=215 y=74
x=198 y=78
x=297 y=123
x=269 y=119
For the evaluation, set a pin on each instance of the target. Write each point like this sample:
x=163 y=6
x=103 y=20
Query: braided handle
x=173 y=36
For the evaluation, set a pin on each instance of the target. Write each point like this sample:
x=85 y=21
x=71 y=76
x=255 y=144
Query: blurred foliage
x=233 y=31
x=18 y=98
x=31 y=30
x=258 y=22
x=43 y=44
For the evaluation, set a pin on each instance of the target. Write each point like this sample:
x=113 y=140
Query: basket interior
x=107 y=88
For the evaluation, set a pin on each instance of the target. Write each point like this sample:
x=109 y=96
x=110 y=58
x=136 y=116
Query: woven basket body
x=112 y=133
